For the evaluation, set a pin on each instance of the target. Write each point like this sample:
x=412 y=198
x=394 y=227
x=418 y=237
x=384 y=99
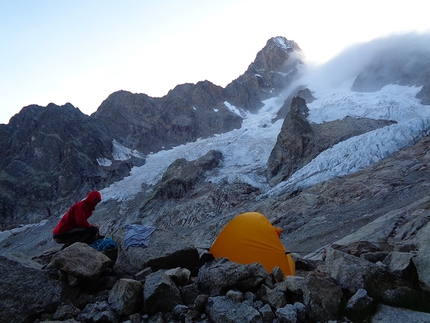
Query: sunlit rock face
x=276 y=66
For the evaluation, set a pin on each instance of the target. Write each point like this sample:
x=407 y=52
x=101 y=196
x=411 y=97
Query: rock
x=166 y=250
x=399 y=262
x=26 y=290
x=259 y=82
x=319 y=294
x=388 y=314
x=409 y=67
x=267 y=314
x=125 y=295
x=299 y=141
x=273 y=297
x=354 y=273
x=424 y=94
x=287 y=314
x=160 y=293
x=81 y=261
x=66 y=311
x=360 y=305
x=99 y=312
x=182 y=175
x=222 y=309
x=189 y=293
x=180 y=276
x=225 y=274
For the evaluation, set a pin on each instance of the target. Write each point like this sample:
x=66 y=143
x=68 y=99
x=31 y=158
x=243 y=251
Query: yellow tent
x=250 y=237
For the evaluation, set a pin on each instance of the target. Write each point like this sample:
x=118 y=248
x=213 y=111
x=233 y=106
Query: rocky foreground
x=353 y=282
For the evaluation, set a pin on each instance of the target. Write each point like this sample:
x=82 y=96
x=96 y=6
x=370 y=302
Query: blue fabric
x=137 y=235
x=104 y=244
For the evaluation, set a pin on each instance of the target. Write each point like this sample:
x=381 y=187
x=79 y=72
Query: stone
x=389 y=314
x=166 y=250
x=320 y=294
x=81 y=261
x=181 y=276
x=125 y=295
x=225 y=274
x=160 y=293
x=99 y=311
x=25 y=290
x=273 y=297
x=226 y=310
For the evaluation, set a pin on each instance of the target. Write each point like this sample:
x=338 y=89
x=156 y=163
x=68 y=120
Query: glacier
x=246 y=150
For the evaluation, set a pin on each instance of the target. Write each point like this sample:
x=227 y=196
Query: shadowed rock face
x=404 y=67
x=276 y=66
x=300 y=141
x=186 y=113
x=48 y=156
x=424 y=94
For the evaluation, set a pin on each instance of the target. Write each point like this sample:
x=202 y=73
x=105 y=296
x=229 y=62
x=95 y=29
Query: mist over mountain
x=327 y=153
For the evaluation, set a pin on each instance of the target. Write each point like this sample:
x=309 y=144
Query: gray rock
x=81 y=261
x=354 y=273
x=125 y=295
x=267 y=314
x=287 y=314
x=319 y=294
x=25 y=290
x=273 y=297
x=66 y=311
x=99 y=312
x=388 y=314
x=181 y=276
x=222 y=309
x=300 y=141
x=160 y=293
x=166 y=250
x=225 y=274
x=398 y=262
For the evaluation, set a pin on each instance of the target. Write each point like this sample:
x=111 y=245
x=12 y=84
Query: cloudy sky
x=81 y=51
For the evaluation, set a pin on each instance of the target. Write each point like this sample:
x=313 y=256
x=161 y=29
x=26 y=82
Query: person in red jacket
x=74 y=225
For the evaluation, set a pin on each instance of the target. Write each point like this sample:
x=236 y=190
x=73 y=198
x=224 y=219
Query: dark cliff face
x=186 y=113
x=48 y=156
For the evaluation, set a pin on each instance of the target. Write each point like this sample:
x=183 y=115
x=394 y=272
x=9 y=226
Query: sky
x=82 y=51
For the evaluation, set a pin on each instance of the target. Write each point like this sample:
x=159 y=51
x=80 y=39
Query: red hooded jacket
x=78 y=214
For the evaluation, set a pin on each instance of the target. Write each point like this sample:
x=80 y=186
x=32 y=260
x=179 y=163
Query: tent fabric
x=250 y=237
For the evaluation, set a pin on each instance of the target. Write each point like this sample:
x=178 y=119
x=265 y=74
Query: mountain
x=51 y=156
x=335 y=155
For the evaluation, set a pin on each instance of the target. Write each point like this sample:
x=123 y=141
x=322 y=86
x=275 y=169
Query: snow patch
x=104 y=161
x=123 y=153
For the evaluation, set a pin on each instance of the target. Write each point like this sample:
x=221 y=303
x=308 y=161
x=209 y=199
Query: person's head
x=93 y=198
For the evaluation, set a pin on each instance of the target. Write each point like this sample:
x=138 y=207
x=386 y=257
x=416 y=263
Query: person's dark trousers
x=86 y=235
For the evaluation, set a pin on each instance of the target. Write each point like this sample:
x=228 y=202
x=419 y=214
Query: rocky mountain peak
x=276 y=66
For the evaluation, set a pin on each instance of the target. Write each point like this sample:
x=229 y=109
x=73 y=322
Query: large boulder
x=225 y=274
x=25 y=290
x=124 y=296
x=160 y=293
x=222 y=309
x=81 y=261
x=320 y=294
x=166 y=250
